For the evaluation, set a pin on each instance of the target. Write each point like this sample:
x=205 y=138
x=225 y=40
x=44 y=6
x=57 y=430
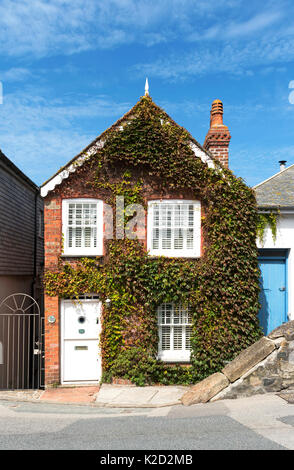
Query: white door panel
x=82 y=319
x=80 y=334
x=81 y=361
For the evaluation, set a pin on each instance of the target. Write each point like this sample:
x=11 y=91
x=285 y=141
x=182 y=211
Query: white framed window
x=82 y=227
x=174 y=324
x=174 y=228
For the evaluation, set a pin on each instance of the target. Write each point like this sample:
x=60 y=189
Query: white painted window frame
x=174 y=253
x=173 y=355
x=82 y=251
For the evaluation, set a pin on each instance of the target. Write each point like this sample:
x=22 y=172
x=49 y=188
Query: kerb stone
x=248 y=359
x=206 y=389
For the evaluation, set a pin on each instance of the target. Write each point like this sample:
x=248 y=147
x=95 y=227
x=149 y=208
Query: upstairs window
x=174 y=323
x=82 y=221
x=174 y=228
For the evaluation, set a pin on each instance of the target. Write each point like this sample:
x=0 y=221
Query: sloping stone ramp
x=266 y=366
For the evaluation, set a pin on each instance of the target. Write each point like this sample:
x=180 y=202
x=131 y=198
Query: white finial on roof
x=146 y=87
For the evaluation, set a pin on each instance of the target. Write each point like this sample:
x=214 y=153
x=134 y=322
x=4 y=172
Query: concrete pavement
x=68 y=395
x=260 y=422
x=128 y=396
x=113 y=396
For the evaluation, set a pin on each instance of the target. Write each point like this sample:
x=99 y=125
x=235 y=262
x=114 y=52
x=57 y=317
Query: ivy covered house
x=150 y=255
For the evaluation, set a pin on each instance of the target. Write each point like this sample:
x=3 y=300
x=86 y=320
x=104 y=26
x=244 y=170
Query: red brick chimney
x=218 y=137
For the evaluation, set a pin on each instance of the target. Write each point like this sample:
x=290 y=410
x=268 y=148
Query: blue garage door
x=273 y=295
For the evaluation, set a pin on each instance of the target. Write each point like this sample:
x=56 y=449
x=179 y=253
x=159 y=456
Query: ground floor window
x=174 y=322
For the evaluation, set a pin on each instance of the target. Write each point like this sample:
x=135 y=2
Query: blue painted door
x=273 y=293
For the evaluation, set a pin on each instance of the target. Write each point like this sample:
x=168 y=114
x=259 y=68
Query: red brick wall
x=52 y=341
x=217 y=142
x=52 y=245
x=75 y=187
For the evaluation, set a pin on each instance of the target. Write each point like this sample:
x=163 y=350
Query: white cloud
x=14 y=74
x=237 y=29
x=42 y=27
x=38 y=26
x=232 y=57
x=253 y=25
x=39 y=135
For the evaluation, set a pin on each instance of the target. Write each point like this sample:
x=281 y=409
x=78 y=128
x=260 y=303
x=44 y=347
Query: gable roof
x=98 y=143
x=277 y=191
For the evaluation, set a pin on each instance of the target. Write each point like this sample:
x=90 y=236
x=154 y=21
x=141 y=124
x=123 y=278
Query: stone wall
x=266 y=366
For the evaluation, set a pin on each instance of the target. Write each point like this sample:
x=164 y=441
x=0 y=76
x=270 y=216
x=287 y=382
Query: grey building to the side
x=277 y=192
x=276 y=195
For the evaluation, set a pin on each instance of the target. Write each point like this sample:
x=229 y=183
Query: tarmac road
x=264 y=422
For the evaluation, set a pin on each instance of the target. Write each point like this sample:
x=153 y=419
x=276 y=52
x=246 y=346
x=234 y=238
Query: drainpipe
x=35 y=243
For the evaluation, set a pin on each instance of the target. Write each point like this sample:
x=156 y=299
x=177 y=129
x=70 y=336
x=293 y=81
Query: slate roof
x=277 y=191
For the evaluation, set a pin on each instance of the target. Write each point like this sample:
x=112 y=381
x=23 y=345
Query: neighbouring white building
x=276 y=195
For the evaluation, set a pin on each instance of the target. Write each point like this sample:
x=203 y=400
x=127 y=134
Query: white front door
x=80 y=332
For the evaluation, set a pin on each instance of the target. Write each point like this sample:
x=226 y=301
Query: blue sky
x=70 y=68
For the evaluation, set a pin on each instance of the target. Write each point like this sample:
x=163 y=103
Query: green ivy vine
x=150 y=154
x=267 y=219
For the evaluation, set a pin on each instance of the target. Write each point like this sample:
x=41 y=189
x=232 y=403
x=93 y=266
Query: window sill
x=172 y=255
x=174 y=358
x=81 y=255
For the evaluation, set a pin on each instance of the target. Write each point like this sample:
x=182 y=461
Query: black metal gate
x=21 y=343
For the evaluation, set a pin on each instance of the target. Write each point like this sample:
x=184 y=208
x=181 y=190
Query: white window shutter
x=174 y=228
x=82 y=227
x=174 y=323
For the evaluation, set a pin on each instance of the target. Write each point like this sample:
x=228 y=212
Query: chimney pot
x=216 y=114
x=282 y=164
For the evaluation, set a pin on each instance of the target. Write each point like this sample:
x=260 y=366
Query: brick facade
x=76 y=187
